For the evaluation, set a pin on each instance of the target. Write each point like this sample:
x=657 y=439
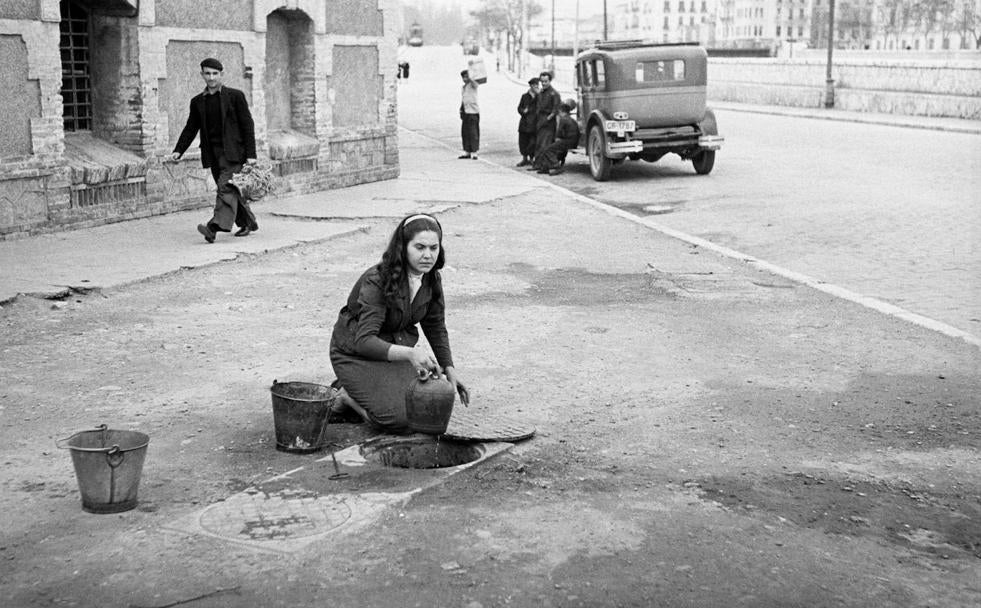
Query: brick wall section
x=116 y=91
x=143 y=104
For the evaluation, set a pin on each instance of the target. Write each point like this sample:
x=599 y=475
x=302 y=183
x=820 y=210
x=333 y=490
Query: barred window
x=75 y=77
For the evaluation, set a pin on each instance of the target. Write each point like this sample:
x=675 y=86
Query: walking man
x=527 y=132
x=469 y=117
x=549 y=101
x=221 y=116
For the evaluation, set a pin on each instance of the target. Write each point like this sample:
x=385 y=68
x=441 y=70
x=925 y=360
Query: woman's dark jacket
x=368 y=325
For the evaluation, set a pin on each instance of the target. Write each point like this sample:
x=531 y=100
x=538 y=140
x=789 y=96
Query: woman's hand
x=420 y=358
x=460 y=388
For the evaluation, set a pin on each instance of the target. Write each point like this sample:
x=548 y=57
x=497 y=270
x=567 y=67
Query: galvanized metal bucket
x=300 y=415
x=108 y=465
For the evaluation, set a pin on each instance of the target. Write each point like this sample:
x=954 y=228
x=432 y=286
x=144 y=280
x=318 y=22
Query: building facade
x=97 y=91
x=772 y=24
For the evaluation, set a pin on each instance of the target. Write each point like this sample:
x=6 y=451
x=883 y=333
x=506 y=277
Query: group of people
x=546 y=131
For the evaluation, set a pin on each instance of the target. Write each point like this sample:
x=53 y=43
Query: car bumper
x=710 y=142
x=616 y=149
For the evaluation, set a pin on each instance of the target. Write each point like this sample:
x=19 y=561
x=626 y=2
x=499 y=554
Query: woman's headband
x=421 y=216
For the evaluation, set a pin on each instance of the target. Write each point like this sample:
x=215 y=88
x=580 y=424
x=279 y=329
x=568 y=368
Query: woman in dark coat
x=373 y=347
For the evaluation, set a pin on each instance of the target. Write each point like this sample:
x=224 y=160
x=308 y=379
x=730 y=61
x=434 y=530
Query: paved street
x=708 y=433
x=887 y=212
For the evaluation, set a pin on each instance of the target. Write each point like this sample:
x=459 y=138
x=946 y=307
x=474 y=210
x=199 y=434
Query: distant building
x=859 y=24
x=665 y=20
x=95 y=92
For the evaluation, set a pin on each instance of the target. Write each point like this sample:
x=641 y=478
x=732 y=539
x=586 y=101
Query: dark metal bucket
x=108 y=466
x=300 y=415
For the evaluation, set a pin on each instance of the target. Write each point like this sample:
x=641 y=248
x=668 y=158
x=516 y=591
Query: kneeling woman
x=373 y=348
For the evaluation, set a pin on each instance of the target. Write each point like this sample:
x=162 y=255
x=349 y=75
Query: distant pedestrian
x=221 y=116
x=469 y=117
x=546 y=111
x=552 y=159
x=527 y=131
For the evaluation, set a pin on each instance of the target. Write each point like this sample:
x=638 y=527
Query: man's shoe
x=524 y=162
x=473 y=156
x=467 y=155
x=208 y=234
x=244 y=231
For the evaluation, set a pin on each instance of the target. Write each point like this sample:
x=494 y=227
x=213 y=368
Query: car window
x=600 y=74
x=660 y=71
x=586 y=78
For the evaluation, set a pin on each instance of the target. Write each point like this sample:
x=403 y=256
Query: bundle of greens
x=254 y=181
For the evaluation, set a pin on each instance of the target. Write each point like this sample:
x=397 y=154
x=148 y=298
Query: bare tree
x=502 y=19
x=969 y=23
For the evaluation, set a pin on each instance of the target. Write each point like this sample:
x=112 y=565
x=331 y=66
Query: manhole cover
x=267 y=517
x=472 y=424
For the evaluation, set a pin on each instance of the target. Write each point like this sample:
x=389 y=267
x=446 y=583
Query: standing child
x=527 y=129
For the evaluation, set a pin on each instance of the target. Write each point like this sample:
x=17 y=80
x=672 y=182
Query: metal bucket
x=108 y=465
x=300 y=415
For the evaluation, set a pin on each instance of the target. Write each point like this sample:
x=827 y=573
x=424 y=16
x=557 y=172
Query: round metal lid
x=474 y=424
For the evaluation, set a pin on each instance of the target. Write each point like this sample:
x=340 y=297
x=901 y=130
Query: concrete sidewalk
x=102 y=257
x=54 y=265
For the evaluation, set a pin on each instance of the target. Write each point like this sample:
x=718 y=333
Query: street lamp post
x=575 y=36
x=604 y=21
x=553 y=32
x=829 y=88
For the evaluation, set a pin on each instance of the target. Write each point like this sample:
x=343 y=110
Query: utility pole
x=553 y=32
x=575 y=39
x=829 y=88
x=522 y=49
x=605 y=36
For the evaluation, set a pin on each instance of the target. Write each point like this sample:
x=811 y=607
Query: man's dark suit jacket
x=238 y=128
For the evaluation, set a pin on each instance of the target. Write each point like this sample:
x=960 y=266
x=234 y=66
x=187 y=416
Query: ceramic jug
x=429 y=403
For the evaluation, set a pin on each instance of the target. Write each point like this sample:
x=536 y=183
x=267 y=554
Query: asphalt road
x=887 y=212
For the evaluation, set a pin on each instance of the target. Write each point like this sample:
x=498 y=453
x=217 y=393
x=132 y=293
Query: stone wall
x=318 y=58
x=918 y=88
x=885 y=83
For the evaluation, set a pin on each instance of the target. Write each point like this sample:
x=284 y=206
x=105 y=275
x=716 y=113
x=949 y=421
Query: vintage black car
x=640 y=101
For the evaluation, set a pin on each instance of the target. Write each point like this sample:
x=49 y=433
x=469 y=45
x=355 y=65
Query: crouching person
x=552 y=160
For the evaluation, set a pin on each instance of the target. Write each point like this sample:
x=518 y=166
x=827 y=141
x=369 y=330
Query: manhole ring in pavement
x=420 y=452
x=271 y=517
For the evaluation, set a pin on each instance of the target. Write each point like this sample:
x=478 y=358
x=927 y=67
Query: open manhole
x=420 y=452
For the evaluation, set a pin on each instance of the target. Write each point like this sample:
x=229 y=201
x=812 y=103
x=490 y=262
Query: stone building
x=95 y=92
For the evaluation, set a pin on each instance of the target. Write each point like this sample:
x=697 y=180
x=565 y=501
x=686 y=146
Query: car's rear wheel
x=599 y=164
x=703 y=162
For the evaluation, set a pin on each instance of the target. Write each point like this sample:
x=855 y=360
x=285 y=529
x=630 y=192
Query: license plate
x=620 y=126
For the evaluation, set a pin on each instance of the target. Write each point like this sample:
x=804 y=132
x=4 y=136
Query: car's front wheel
x=599 y=164
x=703 y=162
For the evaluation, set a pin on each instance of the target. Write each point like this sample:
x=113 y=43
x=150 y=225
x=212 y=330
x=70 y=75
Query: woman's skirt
x=379 y=387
